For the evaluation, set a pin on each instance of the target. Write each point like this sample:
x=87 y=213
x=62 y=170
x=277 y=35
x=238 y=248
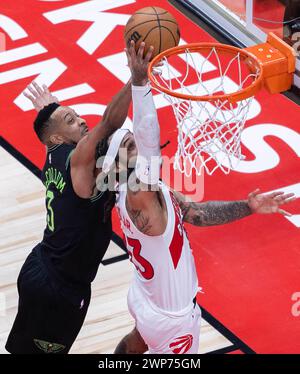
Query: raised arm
x=39 y=96
x=213 y=213
x=83 y=161
x=113 y=118
x=145 y=130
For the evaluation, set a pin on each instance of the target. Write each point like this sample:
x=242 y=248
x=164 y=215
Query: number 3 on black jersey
x=50 y=213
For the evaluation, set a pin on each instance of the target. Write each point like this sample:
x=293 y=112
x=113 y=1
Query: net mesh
x=209 y=132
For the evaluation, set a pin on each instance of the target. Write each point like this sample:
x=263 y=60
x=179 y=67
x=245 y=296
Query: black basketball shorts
x=47 y=321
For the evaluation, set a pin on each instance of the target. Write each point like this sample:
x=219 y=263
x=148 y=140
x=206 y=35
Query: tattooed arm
x=214 y=213
x=220 y=212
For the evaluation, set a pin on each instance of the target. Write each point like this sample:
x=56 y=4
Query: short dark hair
x=43 y=121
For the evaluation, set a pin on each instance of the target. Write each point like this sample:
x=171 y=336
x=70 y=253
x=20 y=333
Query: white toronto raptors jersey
x=165 y=272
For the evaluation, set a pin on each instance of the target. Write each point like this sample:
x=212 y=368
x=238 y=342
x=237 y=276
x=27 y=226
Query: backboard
x=247 y=22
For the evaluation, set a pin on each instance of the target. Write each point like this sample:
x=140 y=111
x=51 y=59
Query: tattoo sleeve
x=214 y=212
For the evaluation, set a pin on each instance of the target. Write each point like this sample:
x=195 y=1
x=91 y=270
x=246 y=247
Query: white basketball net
x=209 y=132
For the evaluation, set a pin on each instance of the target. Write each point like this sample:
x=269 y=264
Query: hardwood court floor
x=22 y=221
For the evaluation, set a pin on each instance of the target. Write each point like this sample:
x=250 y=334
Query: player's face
x=71 y=126
x=129 y=143
x=128 y=158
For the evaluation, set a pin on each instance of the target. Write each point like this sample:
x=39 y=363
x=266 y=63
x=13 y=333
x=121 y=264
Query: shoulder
x=59 y=155
x=180 y=197
x=61 y=149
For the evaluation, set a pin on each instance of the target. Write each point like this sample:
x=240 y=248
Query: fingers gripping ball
x=154 y=26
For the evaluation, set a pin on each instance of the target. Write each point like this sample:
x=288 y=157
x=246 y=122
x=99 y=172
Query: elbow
x=83 y=192
x=82 y=189
x=82 y=177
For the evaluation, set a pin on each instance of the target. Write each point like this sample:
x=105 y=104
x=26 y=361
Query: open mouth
x=84 y=131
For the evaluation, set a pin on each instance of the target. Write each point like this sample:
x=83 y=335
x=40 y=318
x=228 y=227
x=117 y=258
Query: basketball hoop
x=212 y=96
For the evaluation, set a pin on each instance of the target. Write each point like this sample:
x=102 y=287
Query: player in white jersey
x=161 y=297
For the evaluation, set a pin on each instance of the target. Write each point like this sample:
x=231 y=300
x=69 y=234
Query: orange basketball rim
x=211 y=112
x=272 y=62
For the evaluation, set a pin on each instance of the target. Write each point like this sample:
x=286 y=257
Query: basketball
x=154 y=26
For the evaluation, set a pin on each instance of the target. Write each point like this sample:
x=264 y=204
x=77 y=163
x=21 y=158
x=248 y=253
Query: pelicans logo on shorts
x=181 y=344
x=48 y=347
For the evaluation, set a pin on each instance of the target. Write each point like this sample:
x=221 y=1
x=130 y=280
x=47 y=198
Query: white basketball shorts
x=165 y=333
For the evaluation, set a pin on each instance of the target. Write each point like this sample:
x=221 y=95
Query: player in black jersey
x=54 y=284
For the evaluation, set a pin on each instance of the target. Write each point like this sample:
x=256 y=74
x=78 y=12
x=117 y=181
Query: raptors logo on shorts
x=182 y=344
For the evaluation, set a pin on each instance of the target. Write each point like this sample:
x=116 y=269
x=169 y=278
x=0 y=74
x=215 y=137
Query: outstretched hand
x=138 y=64
x=269 y=203
x=40 y=97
